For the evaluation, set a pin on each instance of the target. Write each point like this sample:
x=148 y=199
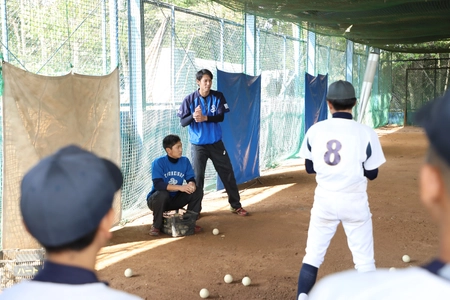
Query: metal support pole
x=296 y=31
x=250 y=41
x=4 y=31
x=104 y=57
x=349 y=61
x=435 y=77
x=405 y=118
x=172 y=55
x=222 y=34
x=284 y=60
x=311 y=55
x=137 y=64
x=114 y=35
x=258 y=44
x=369 y=75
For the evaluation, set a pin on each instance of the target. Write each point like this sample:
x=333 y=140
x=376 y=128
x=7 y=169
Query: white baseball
x=204 y=293
x=128 y=272
x=406 y=258
x=246 y=281
x=228 y=278
x=392 y=269
x=215 y=231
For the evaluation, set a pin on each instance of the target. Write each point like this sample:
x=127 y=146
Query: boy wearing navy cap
x=66 y=204
x=343 y=154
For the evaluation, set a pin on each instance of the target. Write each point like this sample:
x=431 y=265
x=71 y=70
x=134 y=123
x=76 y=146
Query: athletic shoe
x=239 y=211
x=197 y=229
x=154 y=231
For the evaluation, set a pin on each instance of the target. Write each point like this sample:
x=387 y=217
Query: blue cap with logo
x=434 y=117
x=66 y=195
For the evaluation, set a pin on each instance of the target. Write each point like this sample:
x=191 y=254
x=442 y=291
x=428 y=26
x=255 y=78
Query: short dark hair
x=342 y=104
x=202 y=72
x=77 y=245
x=170 y=140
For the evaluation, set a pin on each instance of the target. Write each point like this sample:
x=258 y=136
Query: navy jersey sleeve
x=371 y=174
x=309 y=166
x=216 y=119
x=186 y=120
x=222 y=106
x=159 y=184
x=185 y=108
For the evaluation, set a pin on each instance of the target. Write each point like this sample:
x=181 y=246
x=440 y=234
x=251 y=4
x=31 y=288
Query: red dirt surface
x=268 y=246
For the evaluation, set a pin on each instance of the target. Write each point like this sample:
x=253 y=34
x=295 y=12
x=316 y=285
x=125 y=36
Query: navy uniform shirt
x=204 y=133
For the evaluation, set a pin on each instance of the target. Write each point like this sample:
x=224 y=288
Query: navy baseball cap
x=341 y=90
x=434 y=117
x=66 y=195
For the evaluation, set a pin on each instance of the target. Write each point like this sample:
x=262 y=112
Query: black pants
x=160 y=201
x=221 y=161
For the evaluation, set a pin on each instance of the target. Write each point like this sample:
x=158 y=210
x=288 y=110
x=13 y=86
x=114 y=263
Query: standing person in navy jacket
x=202 y=111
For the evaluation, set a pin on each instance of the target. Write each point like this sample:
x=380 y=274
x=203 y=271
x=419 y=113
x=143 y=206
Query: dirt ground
x=268 y=246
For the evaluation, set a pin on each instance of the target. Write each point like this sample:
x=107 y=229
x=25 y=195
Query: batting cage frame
x=159 y=46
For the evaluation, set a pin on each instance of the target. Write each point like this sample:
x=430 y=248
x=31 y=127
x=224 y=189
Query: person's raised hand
x=198 y=115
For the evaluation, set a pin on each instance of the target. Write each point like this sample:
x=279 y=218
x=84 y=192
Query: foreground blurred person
x=431 y=281
x=66 y=204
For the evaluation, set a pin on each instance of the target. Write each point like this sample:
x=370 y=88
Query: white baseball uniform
x=410 y=283
x=340 y=149
x=48 y=290
x=59 y=281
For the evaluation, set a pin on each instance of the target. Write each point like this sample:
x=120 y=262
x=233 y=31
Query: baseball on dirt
x=246 y=281
x=204 y=293
x=128 y=272
x=215 y=231
x=228 y=278
x=406 y=258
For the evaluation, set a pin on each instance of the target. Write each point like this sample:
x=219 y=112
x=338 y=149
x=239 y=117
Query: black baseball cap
x=67 y=194
x=340 y=90
x=434 y=117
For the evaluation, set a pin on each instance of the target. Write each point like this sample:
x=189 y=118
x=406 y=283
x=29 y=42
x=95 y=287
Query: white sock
x=302 y=296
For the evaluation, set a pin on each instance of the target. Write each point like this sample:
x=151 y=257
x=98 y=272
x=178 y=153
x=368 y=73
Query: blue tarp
x=315 y=99
x=241 y=125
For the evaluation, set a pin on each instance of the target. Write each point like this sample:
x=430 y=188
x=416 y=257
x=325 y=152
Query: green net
x=395 y=25
x=281 y=97
x=51 y=37
x=407 y=84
